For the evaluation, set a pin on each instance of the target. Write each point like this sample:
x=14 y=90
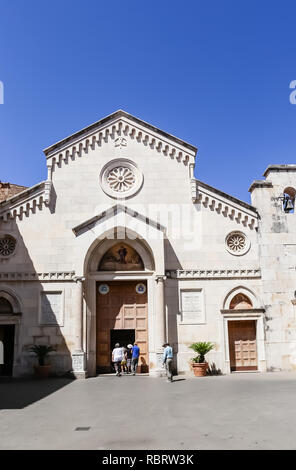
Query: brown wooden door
x=122 y=308
x=242 y=345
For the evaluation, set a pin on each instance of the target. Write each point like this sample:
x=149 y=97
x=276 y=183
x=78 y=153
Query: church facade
x=122 y=243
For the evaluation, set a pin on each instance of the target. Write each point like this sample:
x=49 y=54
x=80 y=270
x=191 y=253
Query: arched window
x=240 y=301
x=289 y=199
x=5 y=307
x=121 y=257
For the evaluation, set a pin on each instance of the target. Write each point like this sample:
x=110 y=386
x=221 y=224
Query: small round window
x=237 y=243
x=7 y=246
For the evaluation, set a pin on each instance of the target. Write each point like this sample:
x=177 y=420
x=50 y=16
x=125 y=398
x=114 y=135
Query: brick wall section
x=8 y=189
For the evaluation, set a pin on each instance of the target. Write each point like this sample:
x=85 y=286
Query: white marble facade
x=123 y=178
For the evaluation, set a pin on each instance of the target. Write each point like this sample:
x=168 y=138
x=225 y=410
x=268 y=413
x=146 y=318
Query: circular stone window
x=121 y=178
x=237 y=243
x=7 y=246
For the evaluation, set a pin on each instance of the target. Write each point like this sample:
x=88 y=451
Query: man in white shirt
x=117 y=357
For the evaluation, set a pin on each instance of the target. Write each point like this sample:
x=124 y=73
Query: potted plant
x=199 y=365
x=42 y=371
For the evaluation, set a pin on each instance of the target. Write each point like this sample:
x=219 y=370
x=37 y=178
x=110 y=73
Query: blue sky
x=215 y=74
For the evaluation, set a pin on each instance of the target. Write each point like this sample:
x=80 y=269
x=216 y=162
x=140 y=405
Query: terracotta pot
x=42 y=372
x=200 y=369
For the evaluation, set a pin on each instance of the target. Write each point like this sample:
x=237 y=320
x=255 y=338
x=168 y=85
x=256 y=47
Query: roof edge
x=227 y=196
x=19 y=195
x=277 y=168
x=260 y=184
x=117 y=114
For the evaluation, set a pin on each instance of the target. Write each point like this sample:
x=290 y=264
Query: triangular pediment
x=119 y=127
x=113 y=212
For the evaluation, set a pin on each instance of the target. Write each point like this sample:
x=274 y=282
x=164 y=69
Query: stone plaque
x=192 y=306
x=78 y=362
x=51 y=308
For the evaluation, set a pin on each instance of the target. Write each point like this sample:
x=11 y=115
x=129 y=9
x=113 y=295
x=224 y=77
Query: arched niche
x=121 y=257
x=289 y=199
x=9 y=304
x=240 y=298
x=5 y=307
x=135 y=246
x=240 y=302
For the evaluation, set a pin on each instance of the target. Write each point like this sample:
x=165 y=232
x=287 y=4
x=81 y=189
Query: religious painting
x=121 y=257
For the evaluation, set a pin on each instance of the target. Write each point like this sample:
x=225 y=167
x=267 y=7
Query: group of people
x=125 y=359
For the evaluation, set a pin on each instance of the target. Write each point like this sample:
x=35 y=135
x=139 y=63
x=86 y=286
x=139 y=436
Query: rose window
x=237 y=243
x=7 y=246
x=121 y=179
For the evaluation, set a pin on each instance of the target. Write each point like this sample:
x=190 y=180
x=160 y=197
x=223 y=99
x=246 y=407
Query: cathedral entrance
x=242 y=345
x=6 y=349
x=122 y=316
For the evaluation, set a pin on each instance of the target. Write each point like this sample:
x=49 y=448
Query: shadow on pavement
x=19 y=393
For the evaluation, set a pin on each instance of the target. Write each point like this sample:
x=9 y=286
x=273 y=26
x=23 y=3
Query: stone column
x=78 y=356
x=160 y=322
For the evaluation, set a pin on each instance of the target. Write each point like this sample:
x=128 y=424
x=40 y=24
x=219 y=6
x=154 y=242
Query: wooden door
x=242 y=345
x=121 y=308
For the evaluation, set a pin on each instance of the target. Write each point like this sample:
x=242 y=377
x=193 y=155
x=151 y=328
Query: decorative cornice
x=224 y=204
x=112 y=117
x=239 y=311
x=112 y=212
x=260 y=184
x=278 y=168
x=79 y=144
x=26 y=202
x=46 y=276
x=213 y=273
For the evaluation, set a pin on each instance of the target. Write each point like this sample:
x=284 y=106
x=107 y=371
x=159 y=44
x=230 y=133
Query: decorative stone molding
x=120 y=142
x=213 y=273
x=48 y=276
x=121 y=178
x=121 y=129
x=215 y=200
x=237 y=243
x=27 y=202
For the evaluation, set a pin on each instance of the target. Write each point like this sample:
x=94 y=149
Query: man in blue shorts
x=135 y=358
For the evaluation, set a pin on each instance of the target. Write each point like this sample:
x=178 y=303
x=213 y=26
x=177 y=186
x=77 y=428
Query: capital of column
x=160 y=278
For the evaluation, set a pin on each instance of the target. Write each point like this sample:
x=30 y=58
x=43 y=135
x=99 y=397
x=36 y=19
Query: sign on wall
x=192 y=306
x=51 y=308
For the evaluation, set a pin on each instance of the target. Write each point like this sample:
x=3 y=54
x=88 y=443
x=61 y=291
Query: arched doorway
x=243 y=330
x=120 y=280
x=7 y=333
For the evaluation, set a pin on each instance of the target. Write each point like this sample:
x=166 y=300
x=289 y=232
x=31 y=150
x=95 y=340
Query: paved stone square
x=238 y=411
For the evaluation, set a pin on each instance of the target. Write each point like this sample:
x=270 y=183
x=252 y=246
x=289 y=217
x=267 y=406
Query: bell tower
x=274 y=199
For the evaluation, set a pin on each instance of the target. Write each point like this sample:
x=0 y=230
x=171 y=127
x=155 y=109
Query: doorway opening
x=6 y=349
x=242 y=345
x=123 y=337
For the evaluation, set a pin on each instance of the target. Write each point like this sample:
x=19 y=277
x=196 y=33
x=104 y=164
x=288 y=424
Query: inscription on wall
x=51 y=308
x=192 y=306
